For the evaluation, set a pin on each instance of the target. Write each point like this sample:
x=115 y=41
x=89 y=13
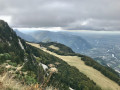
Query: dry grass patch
x=34 y=44
x=8 y=82
x=54 y=47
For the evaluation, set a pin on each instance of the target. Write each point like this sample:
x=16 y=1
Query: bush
x=12 y=64
x=30 y=80
x=4 y=57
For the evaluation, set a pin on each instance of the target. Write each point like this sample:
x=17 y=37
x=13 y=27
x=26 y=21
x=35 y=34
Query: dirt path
x=102 y=81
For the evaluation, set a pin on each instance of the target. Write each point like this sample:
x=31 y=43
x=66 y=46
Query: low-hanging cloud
x=67 y=14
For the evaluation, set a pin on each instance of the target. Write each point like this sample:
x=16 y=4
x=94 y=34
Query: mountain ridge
x=31 y=60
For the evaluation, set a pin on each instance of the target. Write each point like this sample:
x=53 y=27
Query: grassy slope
x=67 y=76
x=104 y=82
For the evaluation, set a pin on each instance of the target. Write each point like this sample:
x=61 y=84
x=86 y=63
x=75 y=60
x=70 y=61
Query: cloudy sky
x=62 y=14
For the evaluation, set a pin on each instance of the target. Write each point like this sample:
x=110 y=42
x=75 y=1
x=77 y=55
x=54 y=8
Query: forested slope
x=15 y=52
x=107 y=71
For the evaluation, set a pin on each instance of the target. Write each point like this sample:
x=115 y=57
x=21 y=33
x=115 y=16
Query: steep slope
x=32 y=66
x=92 y=73
x=16 y=51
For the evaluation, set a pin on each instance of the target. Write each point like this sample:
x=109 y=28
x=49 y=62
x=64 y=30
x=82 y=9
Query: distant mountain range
x=77 y=43
x=25 y=36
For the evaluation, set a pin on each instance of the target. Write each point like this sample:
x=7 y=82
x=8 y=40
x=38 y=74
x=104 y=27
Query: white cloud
x=6 y=18
x=84 y=23
x=69 y=14
x=40 y=28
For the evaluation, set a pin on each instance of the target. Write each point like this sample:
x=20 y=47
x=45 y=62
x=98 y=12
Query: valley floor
x=102 y=81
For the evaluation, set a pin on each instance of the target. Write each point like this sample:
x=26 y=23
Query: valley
x=106 y=49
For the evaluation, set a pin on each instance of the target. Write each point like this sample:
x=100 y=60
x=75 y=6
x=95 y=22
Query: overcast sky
x=62 y=14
